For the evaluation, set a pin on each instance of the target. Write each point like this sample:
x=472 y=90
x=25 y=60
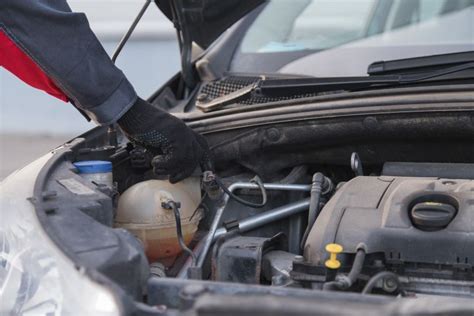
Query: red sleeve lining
x=21 y=65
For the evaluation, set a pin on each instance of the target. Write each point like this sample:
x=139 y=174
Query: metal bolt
x=202 y=97
x=390 y=285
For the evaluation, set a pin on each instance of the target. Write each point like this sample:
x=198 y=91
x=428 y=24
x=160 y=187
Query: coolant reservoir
x=140 y=212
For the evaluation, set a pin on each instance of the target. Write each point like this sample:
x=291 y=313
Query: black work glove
x=178 y=150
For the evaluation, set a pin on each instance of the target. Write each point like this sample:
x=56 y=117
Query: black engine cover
x=380 y=212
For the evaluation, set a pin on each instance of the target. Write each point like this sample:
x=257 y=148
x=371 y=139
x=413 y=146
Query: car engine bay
x=399 y=229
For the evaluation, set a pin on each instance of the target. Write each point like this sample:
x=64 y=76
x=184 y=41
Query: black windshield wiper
x=286 y=87
x=419 y=64
x=273 y=88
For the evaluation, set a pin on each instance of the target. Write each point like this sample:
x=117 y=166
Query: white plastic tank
x=140 y=212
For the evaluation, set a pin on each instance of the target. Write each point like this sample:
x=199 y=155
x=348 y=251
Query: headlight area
x=36 y=278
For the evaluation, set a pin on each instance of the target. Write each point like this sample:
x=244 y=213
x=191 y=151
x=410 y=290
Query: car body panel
x=55 y=272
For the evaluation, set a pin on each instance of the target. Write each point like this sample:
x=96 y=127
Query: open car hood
x=205 y=20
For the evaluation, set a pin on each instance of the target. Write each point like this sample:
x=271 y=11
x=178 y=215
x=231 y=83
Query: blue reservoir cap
x=93 y=166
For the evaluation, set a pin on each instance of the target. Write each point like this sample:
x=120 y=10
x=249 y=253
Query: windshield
x=330 y=38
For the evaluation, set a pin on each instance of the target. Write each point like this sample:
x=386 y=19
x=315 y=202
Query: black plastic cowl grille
x=221 y=87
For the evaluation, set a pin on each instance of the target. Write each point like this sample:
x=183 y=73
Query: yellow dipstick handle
x=333 y=250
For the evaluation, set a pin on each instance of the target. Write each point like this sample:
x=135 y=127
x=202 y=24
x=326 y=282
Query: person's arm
x=62 y=45
x=53 y=49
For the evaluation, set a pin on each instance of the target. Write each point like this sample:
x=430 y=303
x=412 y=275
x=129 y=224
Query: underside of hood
x=205 y=20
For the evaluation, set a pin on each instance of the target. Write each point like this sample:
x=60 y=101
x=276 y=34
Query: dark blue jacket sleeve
x=62 y=44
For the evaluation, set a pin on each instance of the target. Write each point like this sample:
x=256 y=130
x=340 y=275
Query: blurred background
x=32 y=122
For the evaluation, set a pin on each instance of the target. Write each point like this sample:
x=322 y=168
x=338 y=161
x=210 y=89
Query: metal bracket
x=240 y=259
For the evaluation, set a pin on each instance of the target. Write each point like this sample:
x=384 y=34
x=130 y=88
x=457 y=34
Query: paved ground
x=17 y=151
